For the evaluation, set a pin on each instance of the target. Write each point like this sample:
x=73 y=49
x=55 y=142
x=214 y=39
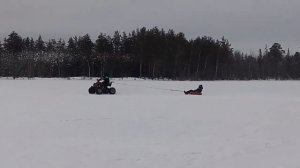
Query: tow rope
x=156 y=88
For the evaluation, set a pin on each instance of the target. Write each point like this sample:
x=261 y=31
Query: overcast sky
x=247 y=24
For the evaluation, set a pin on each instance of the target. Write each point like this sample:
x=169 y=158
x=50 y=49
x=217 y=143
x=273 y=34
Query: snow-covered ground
x=49 y=123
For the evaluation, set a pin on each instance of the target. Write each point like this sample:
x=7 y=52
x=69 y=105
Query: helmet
x=105 y=76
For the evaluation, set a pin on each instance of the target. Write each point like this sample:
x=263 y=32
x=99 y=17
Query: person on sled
x=197 y=91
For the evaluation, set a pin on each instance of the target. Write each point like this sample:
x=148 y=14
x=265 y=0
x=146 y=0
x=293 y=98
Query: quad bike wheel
x=112 y=90
x=99 y=91
x=92 y=90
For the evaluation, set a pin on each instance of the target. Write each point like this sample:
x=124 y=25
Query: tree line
x=150 y=53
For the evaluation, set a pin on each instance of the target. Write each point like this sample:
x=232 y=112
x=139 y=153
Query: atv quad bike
x=99 y=88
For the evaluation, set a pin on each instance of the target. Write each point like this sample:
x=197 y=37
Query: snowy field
x=48 y=123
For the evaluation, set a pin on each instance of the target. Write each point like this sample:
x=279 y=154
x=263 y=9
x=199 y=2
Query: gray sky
x=247 y=24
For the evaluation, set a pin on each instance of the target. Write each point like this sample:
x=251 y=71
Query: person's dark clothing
x=106 y=82
x=199 y=89
x=196 y=91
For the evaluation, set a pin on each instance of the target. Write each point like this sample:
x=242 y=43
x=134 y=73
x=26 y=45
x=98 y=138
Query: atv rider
x=105 y=81
x=197 y=91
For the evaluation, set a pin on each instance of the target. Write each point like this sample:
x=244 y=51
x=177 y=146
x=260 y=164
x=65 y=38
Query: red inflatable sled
x=192 y=93
x=197 y=91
